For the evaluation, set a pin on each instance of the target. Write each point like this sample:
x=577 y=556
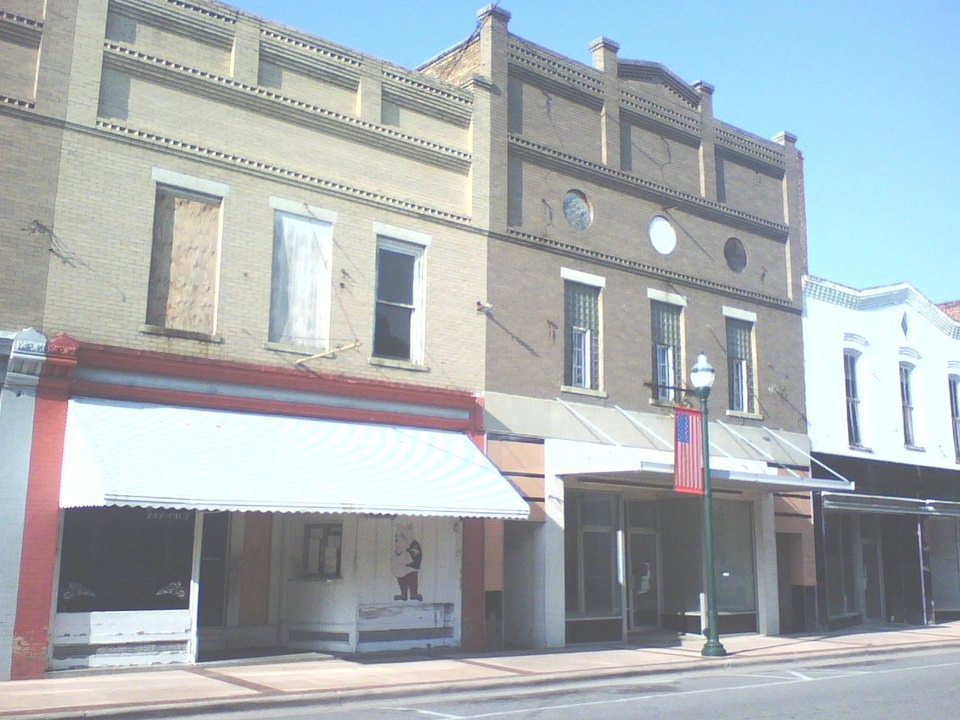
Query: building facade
x=630 y=229
x=248 y=414
x=883 y=382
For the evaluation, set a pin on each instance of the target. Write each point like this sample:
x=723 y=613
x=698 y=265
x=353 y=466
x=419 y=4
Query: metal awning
x=889 y=505
x=141 y=455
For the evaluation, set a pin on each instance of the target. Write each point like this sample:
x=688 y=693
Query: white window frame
x=665 y=361
x=413 y=244
x=586 y=362
x=908 y=410
x=851 y=366
x=740 y=371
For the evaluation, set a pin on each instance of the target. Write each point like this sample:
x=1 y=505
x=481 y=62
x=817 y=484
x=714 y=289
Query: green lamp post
x=702 y=376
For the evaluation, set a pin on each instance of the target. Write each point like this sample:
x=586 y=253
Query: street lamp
x=702 y=376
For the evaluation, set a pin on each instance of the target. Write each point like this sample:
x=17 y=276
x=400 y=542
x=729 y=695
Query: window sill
x=305 y=350
x=914 y=448
x=398 y=364
x=182 y=334
x=861 y=448
x=745 y=415
x=573 y=389
x=669 y=404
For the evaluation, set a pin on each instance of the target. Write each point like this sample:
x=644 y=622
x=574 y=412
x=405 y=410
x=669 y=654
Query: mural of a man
x=407 y=555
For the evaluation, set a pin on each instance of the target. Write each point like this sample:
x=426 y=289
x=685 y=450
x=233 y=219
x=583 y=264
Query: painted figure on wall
x=406 y=562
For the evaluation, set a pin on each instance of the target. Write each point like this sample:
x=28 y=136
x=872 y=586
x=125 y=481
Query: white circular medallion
x=662 y=235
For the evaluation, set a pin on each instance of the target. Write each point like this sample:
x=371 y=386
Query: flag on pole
x=688 y=452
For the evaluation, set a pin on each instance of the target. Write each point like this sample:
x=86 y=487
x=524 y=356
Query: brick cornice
x=639 y=268
x=262 y=101
x=635 y=185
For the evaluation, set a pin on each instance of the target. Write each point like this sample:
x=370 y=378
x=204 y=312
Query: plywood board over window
x=185 y=261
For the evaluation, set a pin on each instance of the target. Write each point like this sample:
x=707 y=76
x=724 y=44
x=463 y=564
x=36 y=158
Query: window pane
x=600 y=592
x=733 y=556
x=955 y=413
x=582 y=335
x=395 y=276
x=853 y=401
x=907 y=402
x=125 y=559
x=740 y=364
x=392 y=333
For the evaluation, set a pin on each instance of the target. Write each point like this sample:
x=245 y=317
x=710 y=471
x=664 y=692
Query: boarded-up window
x=185 y=262
x=300 y=291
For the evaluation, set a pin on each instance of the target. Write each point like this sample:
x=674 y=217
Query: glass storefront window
x=125 y=559
x=839 y=551
x=592 y=585
x=733 y=555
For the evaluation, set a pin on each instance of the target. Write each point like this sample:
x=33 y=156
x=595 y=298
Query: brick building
x=629 y=230
x=275 y=283
x=248 y=414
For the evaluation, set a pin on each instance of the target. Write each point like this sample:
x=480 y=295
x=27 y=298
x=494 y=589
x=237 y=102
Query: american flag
x=688 y=452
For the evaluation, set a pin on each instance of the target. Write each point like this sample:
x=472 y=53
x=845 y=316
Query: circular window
x=735 y=255
x=662 y=235
x=577 y=209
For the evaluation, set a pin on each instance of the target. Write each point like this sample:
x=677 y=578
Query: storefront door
x=643 y=587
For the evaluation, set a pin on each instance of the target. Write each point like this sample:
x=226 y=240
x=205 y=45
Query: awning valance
x=890 y=505
x=135 y=454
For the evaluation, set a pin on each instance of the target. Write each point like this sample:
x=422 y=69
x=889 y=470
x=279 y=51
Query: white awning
x=134 y=454
x=890 y=505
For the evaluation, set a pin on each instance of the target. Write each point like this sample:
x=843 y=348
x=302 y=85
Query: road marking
x=447 y=716
x=799 y=675
x=704 y=691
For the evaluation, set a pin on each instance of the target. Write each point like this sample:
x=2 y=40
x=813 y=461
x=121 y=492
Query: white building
x=882 y=372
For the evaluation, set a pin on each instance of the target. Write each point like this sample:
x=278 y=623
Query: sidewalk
x=321 y=678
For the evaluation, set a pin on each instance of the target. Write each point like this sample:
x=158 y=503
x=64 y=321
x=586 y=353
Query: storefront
x=632 y=546
x=273 y=511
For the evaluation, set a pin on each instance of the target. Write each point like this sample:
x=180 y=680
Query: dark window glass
x=125 y=559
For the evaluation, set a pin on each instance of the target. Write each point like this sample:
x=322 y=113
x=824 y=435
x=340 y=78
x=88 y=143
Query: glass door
x=872 y=569
x=642 y=586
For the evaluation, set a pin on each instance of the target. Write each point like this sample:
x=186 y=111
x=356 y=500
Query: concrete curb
x=458 y=687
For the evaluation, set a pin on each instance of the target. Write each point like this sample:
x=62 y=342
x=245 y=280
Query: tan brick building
x=270 y=279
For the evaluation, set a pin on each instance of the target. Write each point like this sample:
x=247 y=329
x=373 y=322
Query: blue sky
x=871 y=89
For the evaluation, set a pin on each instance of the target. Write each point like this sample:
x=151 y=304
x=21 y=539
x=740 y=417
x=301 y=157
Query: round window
x=735 y=255
x=662 y=235
x=577 y=209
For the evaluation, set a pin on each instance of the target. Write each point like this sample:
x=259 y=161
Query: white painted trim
x=190 y=182
x=738 y=314
x=392 y=232
x=583 y=278
x=666 y=297
x=303 y=209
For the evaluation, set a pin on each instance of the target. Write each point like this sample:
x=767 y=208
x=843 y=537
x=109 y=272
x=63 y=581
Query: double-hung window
x=581 y=331
x=906 y=404
x=955 y=413
x=853 y=397
x=300 y=286
x=398 y=324
x=740 y=365
x=185 y=259
x=667 y=358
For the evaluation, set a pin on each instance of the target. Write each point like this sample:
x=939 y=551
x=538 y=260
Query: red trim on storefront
x=305 y=380
x=472 y=593
x=41 y=526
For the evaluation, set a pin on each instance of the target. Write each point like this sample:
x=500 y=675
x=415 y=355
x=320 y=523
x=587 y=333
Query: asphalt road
x=915 y=687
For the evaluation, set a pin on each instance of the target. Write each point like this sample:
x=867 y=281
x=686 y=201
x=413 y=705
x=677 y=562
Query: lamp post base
x=713 y=648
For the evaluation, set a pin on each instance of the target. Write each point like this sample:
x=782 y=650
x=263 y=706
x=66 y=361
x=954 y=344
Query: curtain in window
x=740 y=362
x=300 y=291
x=582 y=321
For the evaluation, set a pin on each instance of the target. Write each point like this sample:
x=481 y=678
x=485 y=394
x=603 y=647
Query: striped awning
x=140 y=455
